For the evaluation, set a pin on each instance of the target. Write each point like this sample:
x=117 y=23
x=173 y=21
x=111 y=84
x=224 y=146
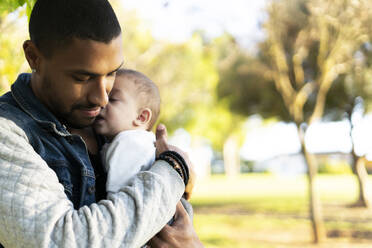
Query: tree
x=308 y=46
x=244 y=83
x=351 y=97
x=336 y=30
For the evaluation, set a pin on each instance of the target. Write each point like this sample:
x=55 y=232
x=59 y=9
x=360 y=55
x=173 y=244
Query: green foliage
x=187 y=78
x=246 y=166
x=13 y=32
x=8 y=6
x=313 y=62
x=331 y=167
x=244 y=83
x=13 y=29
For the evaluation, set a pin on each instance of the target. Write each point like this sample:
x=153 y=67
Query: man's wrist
x=177 y=162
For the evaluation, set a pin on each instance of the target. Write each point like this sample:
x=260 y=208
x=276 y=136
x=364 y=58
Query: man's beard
x=68 y=118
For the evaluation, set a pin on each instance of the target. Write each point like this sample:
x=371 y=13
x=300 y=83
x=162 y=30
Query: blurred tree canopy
x=309 y=45
x=8 y=6
x=13 y=32
x=245 y=83
x=187 y=77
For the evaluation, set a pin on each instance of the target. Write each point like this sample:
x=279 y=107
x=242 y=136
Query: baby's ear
x=143 y=117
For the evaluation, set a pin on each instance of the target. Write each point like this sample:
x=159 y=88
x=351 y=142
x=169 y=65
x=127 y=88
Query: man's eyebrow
x=122 y=63
x=91 y=74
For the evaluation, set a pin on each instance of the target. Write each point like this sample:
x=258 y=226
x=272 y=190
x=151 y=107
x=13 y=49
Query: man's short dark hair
x=54 y=23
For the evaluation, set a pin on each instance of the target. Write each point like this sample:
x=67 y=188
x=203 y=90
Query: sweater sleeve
x=35 y=212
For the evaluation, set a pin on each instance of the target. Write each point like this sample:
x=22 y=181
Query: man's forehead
x=85 y=72
x=89 y=56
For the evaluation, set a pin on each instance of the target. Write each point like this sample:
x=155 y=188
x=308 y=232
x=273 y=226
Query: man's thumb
x=161 y=132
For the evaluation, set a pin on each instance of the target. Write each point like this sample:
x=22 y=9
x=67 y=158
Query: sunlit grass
x=263 y=210
x=238 y=231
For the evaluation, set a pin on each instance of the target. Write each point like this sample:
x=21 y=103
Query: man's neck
x=88 y=136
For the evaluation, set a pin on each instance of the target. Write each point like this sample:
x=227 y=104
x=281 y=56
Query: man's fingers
x=165 y=233
x=180 y=234
x=180 y=210
x=155 y=242
x=190 y=185
x=180 y=216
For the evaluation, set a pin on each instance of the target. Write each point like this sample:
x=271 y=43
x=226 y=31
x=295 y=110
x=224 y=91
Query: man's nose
x=99 y=92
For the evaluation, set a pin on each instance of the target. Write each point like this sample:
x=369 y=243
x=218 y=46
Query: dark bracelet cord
x=170 y=161
x=176 y=156
x=171 y=157
x=181 y=161
x=175 y=165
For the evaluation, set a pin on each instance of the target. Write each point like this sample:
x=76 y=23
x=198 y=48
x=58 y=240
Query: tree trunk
x=315 y=207
x=359 y=169
x=231 y=157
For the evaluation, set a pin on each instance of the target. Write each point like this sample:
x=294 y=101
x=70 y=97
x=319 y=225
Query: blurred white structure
x=200 y=153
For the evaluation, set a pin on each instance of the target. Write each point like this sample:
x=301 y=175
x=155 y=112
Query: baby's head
x=134 y=103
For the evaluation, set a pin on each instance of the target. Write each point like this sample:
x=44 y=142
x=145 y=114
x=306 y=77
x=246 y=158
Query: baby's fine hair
x=147 y=92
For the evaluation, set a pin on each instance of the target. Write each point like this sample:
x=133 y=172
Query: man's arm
x=35 y=212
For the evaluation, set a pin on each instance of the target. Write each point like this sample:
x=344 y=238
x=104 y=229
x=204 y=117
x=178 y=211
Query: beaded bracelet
x=181 y=161
x=173 y=163
x=177 y=162
x=185 y=169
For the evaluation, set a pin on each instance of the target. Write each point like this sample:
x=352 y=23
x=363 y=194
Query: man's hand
x=162 y=146
x=180 y=234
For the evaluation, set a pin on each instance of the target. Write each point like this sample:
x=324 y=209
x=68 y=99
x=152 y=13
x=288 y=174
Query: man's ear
x=32 y=54
x=143 y=118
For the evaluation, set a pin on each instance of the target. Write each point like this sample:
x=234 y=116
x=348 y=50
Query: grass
x=263 y=210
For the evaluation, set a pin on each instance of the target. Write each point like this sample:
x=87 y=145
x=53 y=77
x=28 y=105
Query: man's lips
x=99 y=118
x=90 y=112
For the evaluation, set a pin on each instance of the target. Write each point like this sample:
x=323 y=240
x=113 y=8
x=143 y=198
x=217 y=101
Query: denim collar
x=29 y=103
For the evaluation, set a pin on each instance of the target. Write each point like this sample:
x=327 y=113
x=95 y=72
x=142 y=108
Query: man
x=50 y=190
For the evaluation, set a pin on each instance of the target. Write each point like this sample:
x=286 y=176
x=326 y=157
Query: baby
x=126 y=121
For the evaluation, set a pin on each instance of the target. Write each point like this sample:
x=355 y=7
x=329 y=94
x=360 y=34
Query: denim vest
x=64 y=153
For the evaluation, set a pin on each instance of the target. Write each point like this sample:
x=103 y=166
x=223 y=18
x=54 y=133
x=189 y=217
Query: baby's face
x=120 y=112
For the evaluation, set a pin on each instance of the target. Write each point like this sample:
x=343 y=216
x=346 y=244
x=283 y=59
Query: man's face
x=121 y=111
x=75 y=81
